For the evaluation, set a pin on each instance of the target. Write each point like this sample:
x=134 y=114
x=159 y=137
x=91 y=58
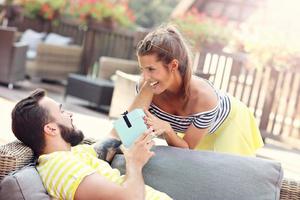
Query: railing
x=272 y=94
x=104 y=42
x=71 y=29
x=101 y=41
x=27 y=23
x=282 y=105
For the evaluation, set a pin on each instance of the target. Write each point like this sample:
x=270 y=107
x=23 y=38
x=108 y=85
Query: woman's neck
x=175 y=89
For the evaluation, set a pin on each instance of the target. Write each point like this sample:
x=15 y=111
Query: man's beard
x=71 y=135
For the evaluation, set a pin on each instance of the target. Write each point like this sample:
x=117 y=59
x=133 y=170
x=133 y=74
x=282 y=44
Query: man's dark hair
x=28 y=120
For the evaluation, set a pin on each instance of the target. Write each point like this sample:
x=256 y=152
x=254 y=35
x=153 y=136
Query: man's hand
x=133 y=187
x=107 y=148
x=139 y=153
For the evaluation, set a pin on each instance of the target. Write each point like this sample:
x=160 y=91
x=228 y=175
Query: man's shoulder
x=78 y=152
x=84 y=149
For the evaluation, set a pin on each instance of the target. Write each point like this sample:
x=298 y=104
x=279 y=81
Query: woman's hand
x=161 y=127
x=145 y=86
x=158 y=126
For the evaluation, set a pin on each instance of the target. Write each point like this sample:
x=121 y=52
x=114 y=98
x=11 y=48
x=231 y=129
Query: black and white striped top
x=211 y=119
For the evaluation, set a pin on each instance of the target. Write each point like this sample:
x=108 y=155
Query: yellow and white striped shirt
x=62 y=172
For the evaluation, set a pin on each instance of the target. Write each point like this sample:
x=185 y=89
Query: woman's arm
x=144 y=97
x=191 y=138
x=142 y=100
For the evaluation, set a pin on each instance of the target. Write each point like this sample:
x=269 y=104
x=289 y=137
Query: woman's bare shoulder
x=203 y=95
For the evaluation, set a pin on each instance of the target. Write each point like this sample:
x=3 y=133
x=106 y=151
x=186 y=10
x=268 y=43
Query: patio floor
x=97 y=124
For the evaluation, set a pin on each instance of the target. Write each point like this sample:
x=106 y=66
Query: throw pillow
x=32 y=38
x=189 y=174
x=22 y=185
x=56 y=39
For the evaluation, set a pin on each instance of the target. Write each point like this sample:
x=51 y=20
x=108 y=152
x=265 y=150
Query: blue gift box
x=130 y=126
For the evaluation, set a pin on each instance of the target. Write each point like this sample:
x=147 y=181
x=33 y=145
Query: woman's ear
x=51 y=129
x=174 y=64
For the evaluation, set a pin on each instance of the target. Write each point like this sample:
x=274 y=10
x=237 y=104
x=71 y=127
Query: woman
x=187 y=110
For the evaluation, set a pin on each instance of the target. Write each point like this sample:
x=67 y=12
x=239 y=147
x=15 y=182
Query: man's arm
x=95 y=186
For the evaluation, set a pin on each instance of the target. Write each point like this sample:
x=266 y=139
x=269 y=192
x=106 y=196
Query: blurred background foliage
x=151 y=13
x=269 y=35
x=204 y=31
x=126 y=13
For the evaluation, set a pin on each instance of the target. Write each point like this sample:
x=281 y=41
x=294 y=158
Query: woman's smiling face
x=155 y=72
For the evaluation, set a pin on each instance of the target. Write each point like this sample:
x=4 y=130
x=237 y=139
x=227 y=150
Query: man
x=77 y=173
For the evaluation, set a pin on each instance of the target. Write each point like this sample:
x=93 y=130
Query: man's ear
x=51 y=129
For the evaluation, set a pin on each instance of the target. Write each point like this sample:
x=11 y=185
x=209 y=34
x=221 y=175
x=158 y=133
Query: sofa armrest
x=290 y=189
x=42 y=47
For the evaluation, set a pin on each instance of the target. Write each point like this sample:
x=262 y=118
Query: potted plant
x=42 y=9
x=40 y=14
x=102 y=12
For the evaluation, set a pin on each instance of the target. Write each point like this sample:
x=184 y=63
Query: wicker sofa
x=54 y=62
x=15 y=155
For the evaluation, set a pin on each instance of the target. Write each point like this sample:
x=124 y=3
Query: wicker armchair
x=54 y=62
x=15 y=155
x=12 y=57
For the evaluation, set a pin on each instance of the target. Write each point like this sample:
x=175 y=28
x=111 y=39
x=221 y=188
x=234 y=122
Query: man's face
x=62 y=120
x=71 y=135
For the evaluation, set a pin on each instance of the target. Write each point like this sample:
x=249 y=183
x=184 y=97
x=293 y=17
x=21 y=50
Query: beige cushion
x=108 y=66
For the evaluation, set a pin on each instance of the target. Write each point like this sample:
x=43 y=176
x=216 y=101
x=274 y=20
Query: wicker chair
x=15 y=155
x=12 y=57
